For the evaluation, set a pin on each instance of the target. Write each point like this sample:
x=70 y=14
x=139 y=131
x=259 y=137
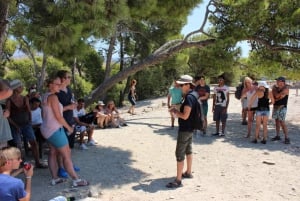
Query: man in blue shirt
x=174 y=100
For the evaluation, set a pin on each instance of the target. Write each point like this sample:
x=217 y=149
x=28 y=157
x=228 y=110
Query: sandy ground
x=134 y=163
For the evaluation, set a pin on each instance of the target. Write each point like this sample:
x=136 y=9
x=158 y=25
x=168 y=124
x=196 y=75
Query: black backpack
x=87 y=118
x=198 y=117
x=238 y=91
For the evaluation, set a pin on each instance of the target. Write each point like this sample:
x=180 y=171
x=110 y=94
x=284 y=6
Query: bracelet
x=28 y=177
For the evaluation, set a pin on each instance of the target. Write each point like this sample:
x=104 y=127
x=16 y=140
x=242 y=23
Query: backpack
x=198 y=117
x=87 y=118
x=238 y=91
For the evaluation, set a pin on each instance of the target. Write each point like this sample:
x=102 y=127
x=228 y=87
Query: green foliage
x=82 y=87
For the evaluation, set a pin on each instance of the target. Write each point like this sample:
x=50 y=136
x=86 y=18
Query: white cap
x=262 y=84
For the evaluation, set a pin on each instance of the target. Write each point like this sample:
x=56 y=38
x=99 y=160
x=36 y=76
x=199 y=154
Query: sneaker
x=244 y=123
x=125 y=124
x=83 y=147
x=222 y=134
x=62 y=173
x=91 y=143
x=264 y=141
x=276 y=138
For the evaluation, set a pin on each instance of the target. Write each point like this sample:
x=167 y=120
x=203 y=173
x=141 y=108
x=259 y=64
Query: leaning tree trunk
x=3 y=23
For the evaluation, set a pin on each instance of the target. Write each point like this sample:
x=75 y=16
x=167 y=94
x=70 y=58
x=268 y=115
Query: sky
x=195 y=20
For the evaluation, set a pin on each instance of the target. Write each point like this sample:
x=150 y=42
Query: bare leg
x=52 y=161
x=217 y=126
x=179 y=170
x=189 y=159
x=65 y=153
x=265 y=127
x=35 y=152
x=250 y=121
x=257 y=128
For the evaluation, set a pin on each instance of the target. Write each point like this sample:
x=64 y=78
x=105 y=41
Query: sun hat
x=15 y=84
x=282 y=79
x=185 y=79
x=100 y=103
x=262 y=84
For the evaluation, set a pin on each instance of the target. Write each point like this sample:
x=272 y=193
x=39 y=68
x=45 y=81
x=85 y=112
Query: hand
x=6 y=113
x=28 y=173
x=70 y=130
x=72 y=106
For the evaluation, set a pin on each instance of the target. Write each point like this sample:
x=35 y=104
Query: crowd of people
x=54 y=117
x=256 y=99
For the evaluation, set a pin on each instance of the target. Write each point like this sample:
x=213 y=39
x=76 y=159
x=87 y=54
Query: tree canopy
x=146 y=33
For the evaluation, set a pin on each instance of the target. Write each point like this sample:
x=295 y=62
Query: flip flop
x=174 y=184
x=80 y=182
x=57 y=181
x=187 y=175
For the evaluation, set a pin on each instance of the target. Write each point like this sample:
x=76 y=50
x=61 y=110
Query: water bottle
x=62 y=198
x=59 y=198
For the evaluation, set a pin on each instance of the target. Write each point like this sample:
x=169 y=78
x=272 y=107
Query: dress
x=11 y=188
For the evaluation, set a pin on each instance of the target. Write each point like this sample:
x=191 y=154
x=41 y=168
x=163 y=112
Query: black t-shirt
x=190 y=101
x=202 y=90
x=66 y=99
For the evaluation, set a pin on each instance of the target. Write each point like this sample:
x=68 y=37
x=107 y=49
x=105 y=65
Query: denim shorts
x=26 y=131
x=262 y=113
x=184 y=145
x=58 y=139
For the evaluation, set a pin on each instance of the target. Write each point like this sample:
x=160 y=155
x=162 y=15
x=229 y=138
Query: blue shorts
x=26 y=131
x=262 y=113
x=58 y=139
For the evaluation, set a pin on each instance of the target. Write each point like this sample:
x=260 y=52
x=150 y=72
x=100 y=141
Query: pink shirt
x=50 y=123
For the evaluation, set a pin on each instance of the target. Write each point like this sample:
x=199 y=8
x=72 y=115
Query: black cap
x=282 y=79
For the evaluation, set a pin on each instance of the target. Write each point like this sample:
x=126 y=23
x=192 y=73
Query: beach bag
x=87 y=118
x=238 y=91
x=198 y=115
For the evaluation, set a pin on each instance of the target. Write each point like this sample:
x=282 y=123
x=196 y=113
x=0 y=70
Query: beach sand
x=134 y=163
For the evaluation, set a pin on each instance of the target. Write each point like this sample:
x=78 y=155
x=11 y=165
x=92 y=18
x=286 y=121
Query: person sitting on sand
x=101 y=117
x=114 y=117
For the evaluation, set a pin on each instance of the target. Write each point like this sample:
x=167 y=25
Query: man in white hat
x=185 y=130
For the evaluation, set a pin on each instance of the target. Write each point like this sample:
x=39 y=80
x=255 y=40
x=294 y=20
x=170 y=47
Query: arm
x=28 y=107
x=54 y=104
x=214 y=102
x=227 y=102
x=185 y=114
x=205 y=97
x=8 y=107
x=271 y=97
x=169 y=99
x=28 y=176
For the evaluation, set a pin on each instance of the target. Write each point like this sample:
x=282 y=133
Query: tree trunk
x=4 y=5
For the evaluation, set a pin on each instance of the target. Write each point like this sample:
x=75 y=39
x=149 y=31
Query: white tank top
x=50 y=123
x=249 y=96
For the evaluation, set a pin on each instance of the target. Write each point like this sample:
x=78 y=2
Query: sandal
x=57 y=181
x=80 y=182
x=187 y=175
x=174 y=184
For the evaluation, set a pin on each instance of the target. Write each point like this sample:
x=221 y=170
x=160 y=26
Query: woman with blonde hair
x=247 y=93
x=52 y=129
x=132 y=96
